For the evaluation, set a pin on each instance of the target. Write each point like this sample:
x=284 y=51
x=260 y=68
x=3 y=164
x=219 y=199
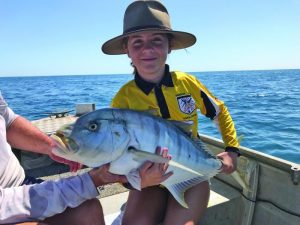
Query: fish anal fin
x=134 y=179
x=178 y=190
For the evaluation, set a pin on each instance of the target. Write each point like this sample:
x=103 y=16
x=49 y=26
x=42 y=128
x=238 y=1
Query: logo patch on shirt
x=186 y=104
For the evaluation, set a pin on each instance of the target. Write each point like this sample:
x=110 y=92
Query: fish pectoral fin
x=178 y=190
x=185 y=168
x=141 y=156
x=134 y=179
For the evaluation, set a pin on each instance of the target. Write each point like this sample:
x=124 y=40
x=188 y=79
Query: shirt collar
x=146 y=86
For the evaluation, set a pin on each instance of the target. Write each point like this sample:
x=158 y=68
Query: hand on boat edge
x=229 y=162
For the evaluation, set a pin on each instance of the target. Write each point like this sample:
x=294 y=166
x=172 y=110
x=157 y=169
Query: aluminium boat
x=271 y=195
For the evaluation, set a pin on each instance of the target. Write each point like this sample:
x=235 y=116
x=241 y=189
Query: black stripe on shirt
x=163 y=107
x=210 y=109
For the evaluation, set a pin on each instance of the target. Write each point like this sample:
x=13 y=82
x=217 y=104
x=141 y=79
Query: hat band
x=137 y=28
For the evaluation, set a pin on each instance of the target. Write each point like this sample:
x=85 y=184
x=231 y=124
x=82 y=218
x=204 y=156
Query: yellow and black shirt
x=177 y=97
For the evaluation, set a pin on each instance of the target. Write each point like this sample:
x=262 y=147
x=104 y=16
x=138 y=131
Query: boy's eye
x=137 y=43
x=157 y=41
x=154 y=42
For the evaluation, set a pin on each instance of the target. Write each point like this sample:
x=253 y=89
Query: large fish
x=126 y=139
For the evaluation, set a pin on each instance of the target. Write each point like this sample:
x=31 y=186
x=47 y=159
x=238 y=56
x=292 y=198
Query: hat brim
x=180 y=40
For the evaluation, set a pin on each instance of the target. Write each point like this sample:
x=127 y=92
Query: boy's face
x=148 y=52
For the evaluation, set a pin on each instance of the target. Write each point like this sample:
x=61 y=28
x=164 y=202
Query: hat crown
x=146 y=14
x=143 y=16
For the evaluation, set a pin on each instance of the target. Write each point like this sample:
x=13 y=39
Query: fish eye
x=93 y=127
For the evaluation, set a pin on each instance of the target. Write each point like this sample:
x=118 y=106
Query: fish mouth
x=65 y=144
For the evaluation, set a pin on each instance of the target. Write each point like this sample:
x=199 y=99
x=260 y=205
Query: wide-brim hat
x=141 y=16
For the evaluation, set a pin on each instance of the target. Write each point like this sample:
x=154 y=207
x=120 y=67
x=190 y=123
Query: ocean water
x=265 y=105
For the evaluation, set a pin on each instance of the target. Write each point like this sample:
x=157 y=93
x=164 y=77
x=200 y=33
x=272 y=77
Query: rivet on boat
x=295 y=171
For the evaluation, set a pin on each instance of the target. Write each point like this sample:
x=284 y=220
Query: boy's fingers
x=165 y=152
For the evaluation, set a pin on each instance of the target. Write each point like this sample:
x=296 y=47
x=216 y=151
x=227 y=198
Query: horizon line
x=103 y=74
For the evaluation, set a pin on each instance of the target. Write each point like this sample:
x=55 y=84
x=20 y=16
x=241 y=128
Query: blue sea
x=265 y=104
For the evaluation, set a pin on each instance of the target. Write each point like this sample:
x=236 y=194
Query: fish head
x=93 y=140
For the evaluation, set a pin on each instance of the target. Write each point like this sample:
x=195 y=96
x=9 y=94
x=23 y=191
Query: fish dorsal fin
x=185 y=126
x=203 y=146
x=142 y=156
x=178 y=190
x=152 y=112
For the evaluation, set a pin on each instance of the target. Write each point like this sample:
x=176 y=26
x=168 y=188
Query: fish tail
x=240 y=181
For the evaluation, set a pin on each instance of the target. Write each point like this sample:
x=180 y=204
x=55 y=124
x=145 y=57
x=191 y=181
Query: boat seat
x=225 y=203
x=222 y=209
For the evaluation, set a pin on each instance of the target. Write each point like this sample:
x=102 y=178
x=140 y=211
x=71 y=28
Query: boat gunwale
x=268 y=159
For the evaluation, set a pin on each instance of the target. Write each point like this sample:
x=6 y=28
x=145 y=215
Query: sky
x=64 y=37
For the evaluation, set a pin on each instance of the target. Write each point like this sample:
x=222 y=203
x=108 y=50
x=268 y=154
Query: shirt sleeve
x=216 y=110
x=39 y=201
x=226 y=126
x=8 y=115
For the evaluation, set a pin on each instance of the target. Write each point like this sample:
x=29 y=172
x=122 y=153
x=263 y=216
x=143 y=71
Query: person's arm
x=229 y=136
x=22 y=134
x=39 y=201
x=216 y=110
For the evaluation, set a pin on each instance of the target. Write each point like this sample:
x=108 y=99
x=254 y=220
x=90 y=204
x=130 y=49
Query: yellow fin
x=240 y=138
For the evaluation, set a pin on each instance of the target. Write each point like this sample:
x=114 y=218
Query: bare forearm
x=23 y=135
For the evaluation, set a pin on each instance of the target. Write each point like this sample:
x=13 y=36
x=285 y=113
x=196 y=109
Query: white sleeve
x=8 y=115
x=38 y=201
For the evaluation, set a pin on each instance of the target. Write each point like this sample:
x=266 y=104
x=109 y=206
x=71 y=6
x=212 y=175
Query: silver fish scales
x=127 y=138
